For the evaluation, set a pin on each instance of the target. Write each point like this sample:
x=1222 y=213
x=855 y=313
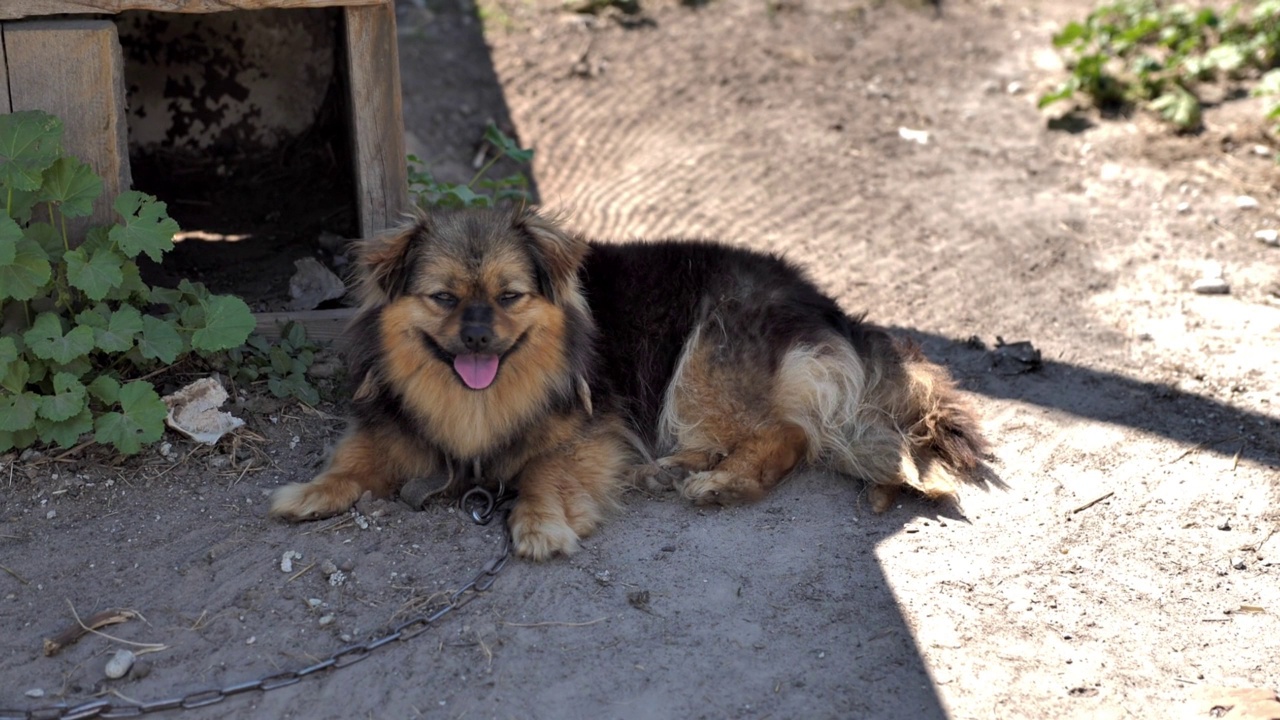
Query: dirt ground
x=1130 y=562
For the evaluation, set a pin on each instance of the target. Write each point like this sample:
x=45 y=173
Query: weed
x=81 y=331
x=481 y=191
x=282 y=364
x=1143 y=53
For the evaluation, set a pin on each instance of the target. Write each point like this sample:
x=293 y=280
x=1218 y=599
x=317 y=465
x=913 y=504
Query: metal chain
x=489 y=507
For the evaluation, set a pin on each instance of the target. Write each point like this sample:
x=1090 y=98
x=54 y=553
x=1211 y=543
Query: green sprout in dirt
x=1144 y=53
x=481 y=191
x=81 y=331
x=283 y=363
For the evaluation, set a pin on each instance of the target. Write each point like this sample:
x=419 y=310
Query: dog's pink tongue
x=477 y=371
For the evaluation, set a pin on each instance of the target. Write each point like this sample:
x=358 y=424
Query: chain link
x=482 y=513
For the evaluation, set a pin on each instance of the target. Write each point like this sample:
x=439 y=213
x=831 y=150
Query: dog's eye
x=445 y=299
x=507 y=298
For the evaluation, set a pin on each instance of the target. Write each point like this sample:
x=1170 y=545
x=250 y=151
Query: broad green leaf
x=22 y=204
x=66 y=433
x=30 y=141
x=165 y=296
x=25 y=275
x=147 y=226
x=68 y=400
x=95 y=274
x=140 y=420
x=105 y=388
x=227 y=323
x=47 y=238
x=159 y=341
x=95 y=317
x=14 y=375
x=72 y=186
x=1179 y=107
x=18 y=410
x=10 y=236
x=131 y=287
x=47 y=341
x=78 y=367
x=122 y=327
x=17 y=439
x=8 y=350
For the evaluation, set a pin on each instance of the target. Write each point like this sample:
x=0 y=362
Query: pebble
x=1238 y=563
x=34 y=693
x=337 y=578
x=119 y=664
x=325 y=620
x=1184 y=207
x=1210 y=286
x=315 y=602
x=51 y=515
x=328 y=567
x=1268 y=237
x=1014 y=88
x=286 y=560
x=1246 y=202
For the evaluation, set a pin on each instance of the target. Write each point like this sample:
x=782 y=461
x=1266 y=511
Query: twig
x=1200 y=446
x=145 y=647
x=54 y=645
x=299 y=574
x=1094 y=501
x=15 y=575
x=554 y=623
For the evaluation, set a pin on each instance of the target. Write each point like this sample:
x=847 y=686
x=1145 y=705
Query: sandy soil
x=1129 y=562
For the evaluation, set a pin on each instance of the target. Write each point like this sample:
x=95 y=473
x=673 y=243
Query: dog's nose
x=477 y=338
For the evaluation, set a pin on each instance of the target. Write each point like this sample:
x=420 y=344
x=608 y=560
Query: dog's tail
x=875 y=407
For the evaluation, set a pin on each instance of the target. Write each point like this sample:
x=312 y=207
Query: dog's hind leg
x=365 y=460
x=756 y=464
x=565 y=492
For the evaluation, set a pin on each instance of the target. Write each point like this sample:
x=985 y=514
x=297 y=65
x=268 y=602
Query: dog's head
x=477 y=287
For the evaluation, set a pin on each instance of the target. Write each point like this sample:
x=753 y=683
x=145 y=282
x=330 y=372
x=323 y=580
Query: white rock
x=1210 y=286
x=51 y=515
x=1014 y=88
x=314 y=602
x=1245 y=202
x=337 y=578
x=917 y=136
x=34 y=693
x=286 y=560
x=1269 y=237
x=1184 y=207
x=312 y=284
x=326 y=619
x=119 y=664
x=1261 y=150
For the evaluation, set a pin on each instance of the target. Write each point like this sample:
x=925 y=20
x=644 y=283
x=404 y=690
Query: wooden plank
x=15 y=9
x=4 y=77
x=377 y=124
x=75 y=70
x=327 y=325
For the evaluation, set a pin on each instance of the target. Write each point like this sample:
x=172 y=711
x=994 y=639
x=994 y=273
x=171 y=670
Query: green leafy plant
x=82 y=332
x=1144 y=53
x=283 y=364
x=481 y=191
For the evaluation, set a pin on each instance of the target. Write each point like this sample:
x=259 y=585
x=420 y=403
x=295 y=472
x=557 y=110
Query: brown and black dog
x=495 y=341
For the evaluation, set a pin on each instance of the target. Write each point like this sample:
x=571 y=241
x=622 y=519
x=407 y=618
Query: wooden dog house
x=74 y=67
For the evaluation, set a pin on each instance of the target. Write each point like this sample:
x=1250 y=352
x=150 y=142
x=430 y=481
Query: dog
x=495 y=347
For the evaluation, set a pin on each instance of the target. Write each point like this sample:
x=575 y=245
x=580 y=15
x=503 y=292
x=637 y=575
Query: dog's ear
x=557 y=254
x=383 y=263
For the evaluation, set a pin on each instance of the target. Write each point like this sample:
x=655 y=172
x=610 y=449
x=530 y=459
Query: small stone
x=315 y=602
x=1261 y=150
x=1013 y=88
x=362 y=521
x=326 y=620
x=119 y=664
x=252 y=639
x=1210 y=286
x=34 y=693
x=286 y=560
x=337 y=578
x=1268 y=237
x=1246 y=202
x=328 y=567
x=603 y=577
x=1184 y=207
x=51 y=515
x=141 y=669
x=1224 y=525
x=347 y=565
x=1238 y=563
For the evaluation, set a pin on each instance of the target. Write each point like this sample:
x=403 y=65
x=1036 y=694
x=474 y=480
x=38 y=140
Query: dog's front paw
x=540 y=538
x=717 y=487
x=319 y=498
